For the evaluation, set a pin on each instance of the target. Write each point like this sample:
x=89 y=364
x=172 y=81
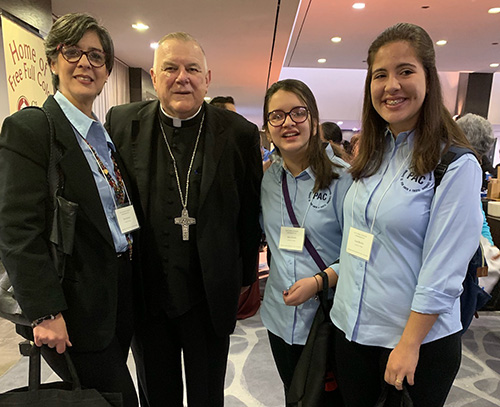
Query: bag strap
x=452 y=154
x=35 y=368
x=310 y=248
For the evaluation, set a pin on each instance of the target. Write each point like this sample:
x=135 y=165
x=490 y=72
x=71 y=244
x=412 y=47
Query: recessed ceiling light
x=154 y=45
x=140 y=26
x=340 y=122
x=494 y=10
x=358 y=6
x=355 y=129
x=441 y=42
x=207 y=98
x=495 y=65
x=322 y=60
x=336 y=39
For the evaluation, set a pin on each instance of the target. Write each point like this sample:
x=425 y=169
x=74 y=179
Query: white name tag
x=292 y=238
x=127 y=221
x=359 y=243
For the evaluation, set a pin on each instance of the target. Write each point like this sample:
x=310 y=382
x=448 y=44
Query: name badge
x=292 y=238
x=359 y=243
x=127 y=221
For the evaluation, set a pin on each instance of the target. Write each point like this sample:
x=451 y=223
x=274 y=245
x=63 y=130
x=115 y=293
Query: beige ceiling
x=238 y=35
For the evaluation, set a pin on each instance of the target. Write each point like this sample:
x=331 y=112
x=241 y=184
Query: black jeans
x=361 y=368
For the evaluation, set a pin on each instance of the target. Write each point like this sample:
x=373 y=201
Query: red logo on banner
x=22 y=102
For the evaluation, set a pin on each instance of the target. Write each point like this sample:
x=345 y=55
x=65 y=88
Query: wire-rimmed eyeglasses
x=73 y=54
x=298 y=115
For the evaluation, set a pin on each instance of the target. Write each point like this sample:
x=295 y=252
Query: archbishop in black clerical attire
x=196 y=171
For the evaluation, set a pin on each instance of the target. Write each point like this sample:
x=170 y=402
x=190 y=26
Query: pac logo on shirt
x=412 y=182
x=321 y=198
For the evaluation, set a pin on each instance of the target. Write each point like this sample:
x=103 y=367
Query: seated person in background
x=224 y=102
x=331 y=135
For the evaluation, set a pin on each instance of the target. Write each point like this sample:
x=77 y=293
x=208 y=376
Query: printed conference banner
x=28 y=73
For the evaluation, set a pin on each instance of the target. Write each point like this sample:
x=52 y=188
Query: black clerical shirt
x=181 y=285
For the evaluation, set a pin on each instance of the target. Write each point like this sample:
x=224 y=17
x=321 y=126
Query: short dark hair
x=316 y=155
x=220 y=101
x=68 y=30
x=332 y=132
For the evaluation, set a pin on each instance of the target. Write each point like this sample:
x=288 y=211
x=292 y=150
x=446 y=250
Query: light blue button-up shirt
x=323 y=225
x=423 y=242
x=97 y=136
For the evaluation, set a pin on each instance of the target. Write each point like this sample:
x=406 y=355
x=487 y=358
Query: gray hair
x=478 y=131
x=69 y=30
x=180 y=36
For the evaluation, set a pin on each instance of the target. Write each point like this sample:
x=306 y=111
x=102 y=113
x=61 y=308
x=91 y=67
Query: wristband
x=38 y=321
x=317 y=284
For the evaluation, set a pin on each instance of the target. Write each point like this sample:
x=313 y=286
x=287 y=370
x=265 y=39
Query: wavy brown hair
x=435 y=125
x=318 y=160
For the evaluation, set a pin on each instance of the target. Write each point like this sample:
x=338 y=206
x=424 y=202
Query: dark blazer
x=227 y=222
x=88 y=295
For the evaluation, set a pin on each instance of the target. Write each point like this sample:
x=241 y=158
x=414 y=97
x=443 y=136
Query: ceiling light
x=494 y=10
x=322 y=60
x=340 y=122
x=355 y=129
x=358 y=6
x=140 y=26
x=207 y=98
x=441 y=42
x=495 y=65
x=154 y=45
x=336 y=39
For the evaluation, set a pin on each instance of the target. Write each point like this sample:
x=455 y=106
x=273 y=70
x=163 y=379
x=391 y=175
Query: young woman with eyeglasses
x=315 y=189
x=397 y=301
x=85 y=309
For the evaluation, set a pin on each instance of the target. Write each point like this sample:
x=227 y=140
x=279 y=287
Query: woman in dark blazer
x=88 y=311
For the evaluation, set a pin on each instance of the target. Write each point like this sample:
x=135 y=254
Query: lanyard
x=307 y=243
x=383 y=194
x=117 y=188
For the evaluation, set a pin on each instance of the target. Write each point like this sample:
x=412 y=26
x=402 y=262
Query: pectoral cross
x=185 y=221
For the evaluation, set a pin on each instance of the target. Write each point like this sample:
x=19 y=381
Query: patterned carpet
x=252 y=379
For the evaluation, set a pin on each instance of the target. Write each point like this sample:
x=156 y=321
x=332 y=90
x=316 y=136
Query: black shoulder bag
x=62 y=226
x=313 y=383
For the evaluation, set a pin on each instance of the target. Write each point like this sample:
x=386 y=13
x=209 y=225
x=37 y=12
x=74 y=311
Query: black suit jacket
x=227 y=222
x=88 y=294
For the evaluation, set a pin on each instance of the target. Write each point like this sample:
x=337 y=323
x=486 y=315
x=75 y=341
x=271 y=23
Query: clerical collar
x=176 y=122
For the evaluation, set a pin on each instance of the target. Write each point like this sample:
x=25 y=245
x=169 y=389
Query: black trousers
x=106 y=370
x=360 y=372
x=157 y=347
x=285 y=357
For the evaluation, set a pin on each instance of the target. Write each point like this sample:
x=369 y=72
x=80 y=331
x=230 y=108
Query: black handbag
x=313 y=383
x=56 y=394
x=61 y=224
x=405 y=397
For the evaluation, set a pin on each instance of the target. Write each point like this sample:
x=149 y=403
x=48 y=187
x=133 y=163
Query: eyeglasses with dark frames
x=298 y=114
x=73 y=54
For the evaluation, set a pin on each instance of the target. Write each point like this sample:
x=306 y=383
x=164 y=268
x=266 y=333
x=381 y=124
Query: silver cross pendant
x=185 y=221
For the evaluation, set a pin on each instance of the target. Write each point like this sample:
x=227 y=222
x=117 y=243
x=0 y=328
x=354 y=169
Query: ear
x=153 y=78
x=53 y=66
x=208 y=77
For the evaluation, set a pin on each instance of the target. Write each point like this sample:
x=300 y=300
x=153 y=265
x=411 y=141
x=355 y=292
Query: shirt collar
x=79 y=120
x=405 y=137
x=176 y=122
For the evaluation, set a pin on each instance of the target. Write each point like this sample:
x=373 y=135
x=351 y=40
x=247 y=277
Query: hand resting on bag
x=53 y=333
